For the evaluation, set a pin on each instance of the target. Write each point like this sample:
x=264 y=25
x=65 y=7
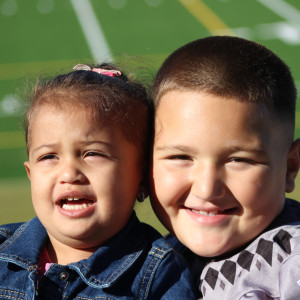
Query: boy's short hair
x=230 y=67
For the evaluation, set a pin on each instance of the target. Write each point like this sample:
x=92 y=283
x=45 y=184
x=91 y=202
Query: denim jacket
x=135 y=264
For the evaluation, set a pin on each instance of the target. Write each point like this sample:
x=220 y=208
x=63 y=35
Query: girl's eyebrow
x=43 y=146
x=86 y=143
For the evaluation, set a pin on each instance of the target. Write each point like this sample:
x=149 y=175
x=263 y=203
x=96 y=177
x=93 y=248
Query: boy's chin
x=207 y=252
x=208 y=249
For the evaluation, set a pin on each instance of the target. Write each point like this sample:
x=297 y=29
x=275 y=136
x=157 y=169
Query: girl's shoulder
x=7 y=230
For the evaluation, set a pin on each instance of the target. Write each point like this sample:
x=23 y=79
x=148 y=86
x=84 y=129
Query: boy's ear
x=293 y=165
x=27 y=167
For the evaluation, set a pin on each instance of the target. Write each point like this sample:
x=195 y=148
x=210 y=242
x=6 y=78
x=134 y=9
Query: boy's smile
x=84 y=177
x=219 y=170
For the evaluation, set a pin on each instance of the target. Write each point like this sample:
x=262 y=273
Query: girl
x=87 y=135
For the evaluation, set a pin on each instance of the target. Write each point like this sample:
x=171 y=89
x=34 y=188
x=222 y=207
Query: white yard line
x=283 y=9
x=92 y=30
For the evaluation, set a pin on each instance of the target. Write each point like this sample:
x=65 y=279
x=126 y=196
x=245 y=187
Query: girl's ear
x=27 y=167
x=293 y=165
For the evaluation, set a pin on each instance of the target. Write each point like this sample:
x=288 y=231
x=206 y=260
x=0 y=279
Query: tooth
x=70 y=198
x=213 y=213
x=74 y=207
x=206 y=213
x=203 y=212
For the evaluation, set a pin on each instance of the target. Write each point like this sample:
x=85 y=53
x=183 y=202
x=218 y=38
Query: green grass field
x=45 y=37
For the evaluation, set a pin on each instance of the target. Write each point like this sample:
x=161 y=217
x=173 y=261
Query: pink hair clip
x=111 y=73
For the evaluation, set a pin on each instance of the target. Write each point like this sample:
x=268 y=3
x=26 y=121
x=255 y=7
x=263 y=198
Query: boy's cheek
x=163 y=179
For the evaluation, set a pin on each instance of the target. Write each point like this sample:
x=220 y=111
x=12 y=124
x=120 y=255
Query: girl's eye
x=93 y=153
x=47 y=157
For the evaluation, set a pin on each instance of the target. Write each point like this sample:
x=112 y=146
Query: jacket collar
x=24 y=245
x=101 y=269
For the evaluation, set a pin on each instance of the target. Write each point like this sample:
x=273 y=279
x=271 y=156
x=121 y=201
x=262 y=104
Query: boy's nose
x=207 y=183
x=71 y=173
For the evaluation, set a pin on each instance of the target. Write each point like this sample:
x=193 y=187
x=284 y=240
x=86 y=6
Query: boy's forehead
x=188 y=102
x=189 y=111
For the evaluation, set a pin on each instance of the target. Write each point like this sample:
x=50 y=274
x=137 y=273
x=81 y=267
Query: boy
x=223 y=159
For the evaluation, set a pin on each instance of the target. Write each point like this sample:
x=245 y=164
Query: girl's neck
x=63 y=254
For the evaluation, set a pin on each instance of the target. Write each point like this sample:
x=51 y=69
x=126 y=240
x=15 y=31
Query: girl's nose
x=208 y=184
x=70 y=172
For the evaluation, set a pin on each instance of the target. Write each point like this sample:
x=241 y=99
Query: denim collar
x=101 y=269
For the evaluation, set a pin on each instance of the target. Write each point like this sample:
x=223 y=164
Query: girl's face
x=220 y=170
x=84 y=178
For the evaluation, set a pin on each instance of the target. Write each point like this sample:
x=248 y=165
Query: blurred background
x=47 y=37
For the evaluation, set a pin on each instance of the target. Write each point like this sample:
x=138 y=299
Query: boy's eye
x=242 y=160
x=179 y=157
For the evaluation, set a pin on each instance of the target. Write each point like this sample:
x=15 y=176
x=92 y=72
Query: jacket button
x=64 y=275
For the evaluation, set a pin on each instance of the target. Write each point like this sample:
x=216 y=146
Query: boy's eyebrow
x=230 y=149
x=174 y=147
x=257 y=150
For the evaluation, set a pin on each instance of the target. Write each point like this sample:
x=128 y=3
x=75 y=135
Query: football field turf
x=46 y=37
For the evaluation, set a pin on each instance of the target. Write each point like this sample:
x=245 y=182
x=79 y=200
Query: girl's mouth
x=74 y=203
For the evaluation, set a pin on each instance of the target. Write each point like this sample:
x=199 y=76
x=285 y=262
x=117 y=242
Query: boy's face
x=84 y=178
x=219 y=170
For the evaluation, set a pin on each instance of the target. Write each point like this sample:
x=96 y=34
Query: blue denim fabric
x=135 y=264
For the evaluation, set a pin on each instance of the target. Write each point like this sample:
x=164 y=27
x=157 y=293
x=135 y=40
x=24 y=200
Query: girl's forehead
x=68 y=109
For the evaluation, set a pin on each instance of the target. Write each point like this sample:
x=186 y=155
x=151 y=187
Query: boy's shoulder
x=289 y=214
x=258 y=268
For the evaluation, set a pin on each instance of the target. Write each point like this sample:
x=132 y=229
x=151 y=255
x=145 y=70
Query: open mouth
x=213 y=212
x=72 y=203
